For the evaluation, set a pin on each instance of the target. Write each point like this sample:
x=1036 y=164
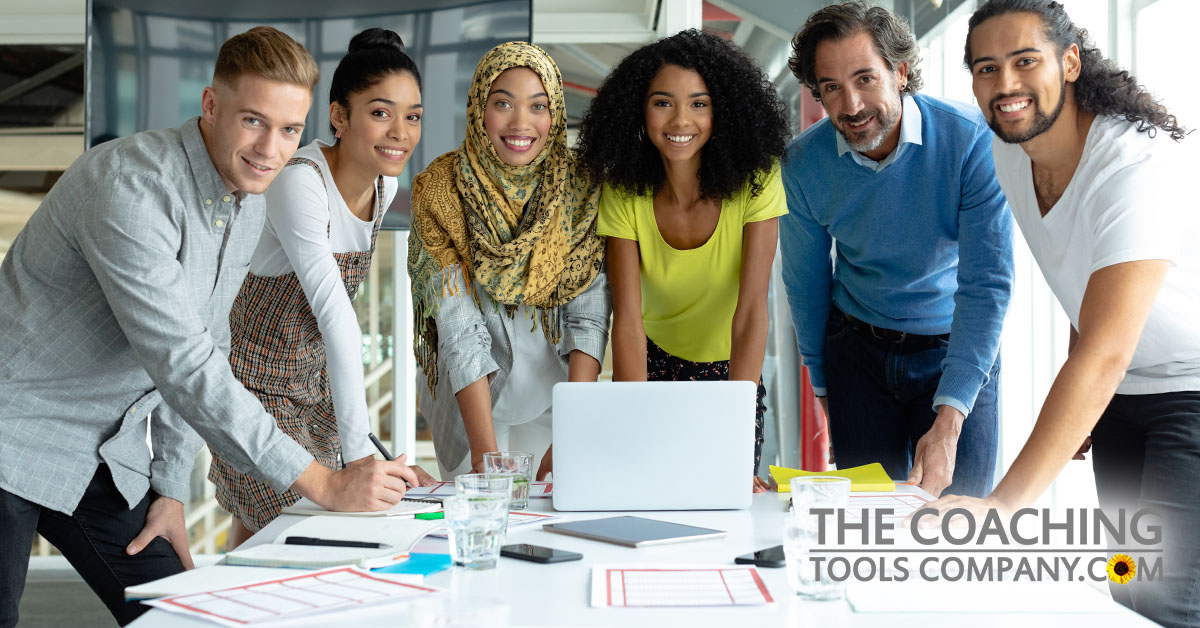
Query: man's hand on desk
x=164 y=518
x=364 y=485
x=933 y=460
x=760 y=485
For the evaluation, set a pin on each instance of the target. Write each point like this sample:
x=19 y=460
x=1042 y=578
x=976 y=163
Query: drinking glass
x=498 y=484
x=519 y=465
x=800 y=535
x=476 y=527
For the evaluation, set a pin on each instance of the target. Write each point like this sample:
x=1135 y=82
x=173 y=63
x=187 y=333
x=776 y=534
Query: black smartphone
x=770 y=557
x=537 y=553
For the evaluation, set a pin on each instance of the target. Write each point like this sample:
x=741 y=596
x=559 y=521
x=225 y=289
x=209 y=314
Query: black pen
x=378 y=445
x=308 y=540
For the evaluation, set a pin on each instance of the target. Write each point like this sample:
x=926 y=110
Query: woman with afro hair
x=685 y=134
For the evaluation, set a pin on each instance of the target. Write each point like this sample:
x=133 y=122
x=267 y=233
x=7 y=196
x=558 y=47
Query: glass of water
x=519 y=465
x=497 y=484
x=809 y=579
x=476 y=526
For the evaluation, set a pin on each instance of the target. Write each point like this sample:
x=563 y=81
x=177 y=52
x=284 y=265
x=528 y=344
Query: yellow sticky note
x=868 y=477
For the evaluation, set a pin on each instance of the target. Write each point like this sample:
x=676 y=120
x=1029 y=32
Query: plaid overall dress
x=277 y=352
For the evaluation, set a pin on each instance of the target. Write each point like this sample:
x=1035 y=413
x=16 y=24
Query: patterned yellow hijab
x=527 y=234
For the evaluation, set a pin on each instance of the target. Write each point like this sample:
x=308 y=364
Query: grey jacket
x=115 y=298
x=476 y=341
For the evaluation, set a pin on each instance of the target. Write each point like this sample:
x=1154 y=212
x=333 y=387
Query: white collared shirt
x=910 y=133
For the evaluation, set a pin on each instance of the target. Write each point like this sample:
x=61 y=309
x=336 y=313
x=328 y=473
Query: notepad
x=397 y=535
x=868 y=477
x=407 y=507
x=674 y=585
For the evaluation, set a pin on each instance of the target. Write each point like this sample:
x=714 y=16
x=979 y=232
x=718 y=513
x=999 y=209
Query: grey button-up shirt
x=474 y=341
x=115 y=297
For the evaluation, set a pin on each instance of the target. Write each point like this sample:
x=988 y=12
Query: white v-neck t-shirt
x=1132 y=197
x=307 y=222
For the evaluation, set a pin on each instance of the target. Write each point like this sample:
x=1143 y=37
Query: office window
x=1161 y=52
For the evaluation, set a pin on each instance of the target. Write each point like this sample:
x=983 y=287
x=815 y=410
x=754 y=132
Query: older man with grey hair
x=901 y=335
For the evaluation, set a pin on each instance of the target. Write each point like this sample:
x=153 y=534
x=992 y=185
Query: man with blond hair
x=114 y=301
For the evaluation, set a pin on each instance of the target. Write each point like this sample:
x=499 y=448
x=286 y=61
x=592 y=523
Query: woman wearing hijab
x=509 y=291
x=295 y=339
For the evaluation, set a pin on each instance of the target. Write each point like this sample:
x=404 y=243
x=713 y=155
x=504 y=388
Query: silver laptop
x=653 y=445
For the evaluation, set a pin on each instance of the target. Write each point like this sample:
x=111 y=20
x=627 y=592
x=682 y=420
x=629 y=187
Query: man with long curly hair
x=901 y=337
x=1103 y=192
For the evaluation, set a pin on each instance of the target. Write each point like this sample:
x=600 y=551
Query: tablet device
x=633 y=531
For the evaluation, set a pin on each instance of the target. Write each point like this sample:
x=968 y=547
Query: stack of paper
x=204 y=579
x=290 y=598
x=446 y=489
x=868 y=477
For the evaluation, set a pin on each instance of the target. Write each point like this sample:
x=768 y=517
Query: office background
x=45 y=124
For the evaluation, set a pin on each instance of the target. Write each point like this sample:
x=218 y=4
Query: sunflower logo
x=1121 y=568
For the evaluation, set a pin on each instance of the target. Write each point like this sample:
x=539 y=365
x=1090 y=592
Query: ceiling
x=587 y=39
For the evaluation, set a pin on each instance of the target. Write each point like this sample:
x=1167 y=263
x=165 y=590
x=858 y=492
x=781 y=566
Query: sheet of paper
x=440 y=489
x=287 y=598
x=672 y=585
x=902 y=504
x=976 y=597
x=868 y=477
x=517 y=519
x=204 y=579
x=406 y=507
x=446 y=489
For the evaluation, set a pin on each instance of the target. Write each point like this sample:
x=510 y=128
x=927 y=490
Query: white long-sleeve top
x=307 y=222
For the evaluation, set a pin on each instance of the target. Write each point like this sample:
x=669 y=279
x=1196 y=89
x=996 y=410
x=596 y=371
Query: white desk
x=558 y=594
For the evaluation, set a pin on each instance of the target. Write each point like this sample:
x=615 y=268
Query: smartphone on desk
x=537 y=553
x=770 y=557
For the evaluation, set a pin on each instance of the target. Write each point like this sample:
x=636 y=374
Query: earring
x=642 y=134
x=338 y=134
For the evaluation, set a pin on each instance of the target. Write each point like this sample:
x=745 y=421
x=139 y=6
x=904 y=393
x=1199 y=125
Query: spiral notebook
x=407 y=507
x=396 y=536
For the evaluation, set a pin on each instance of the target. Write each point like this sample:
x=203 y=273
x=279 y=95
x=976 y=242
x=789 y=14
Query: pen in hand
x=378 y=445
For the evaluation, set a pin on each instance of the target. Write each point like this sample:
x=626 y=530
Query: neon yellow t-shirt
x=688 y=297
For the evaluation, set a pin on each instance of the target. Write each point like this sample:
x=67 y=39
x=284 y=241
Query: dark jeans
x=880 y=398
x=1147 y=455
x=93 y=539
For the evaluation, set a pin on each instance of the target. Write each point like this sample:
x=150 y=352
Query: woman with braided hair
x=509 y=290
x=295 y=339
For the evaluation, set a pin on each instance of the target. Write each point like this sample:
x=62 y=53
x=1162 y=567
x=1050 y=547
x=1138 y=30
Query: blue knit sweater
x=923 y=246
